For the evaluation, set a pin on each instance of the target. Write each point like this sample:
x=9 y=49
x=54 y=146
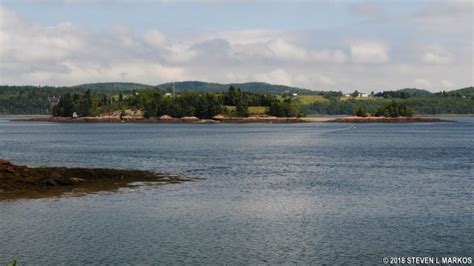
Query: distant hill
x=40 y=99
x=404 y=93
x=468 y=92
x=199 y=86
x=416 y=92
x=124 y=86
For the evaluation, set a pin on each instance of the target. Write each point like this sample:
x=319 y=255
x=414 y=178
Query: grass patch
x=253 y=110
x=258 y=110
x=345 y=98
x=309 y=99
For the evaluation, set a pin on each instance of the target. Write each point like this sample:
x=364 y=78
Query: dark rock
x=60 y=180
x=5 y=162
x=50 y=182
x=76 y=180
x=9 y=169
x=55 y=176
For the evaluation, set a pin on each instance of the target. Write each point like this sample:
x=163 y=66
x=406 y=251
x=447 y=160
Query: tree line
x=390 y=109
x=153 y=101
x=156 y=102
x=419 y=105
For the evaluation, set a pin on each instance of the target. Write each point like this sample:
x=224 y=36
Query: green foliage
x=241 y=109
x=65 y=107
x=116 y=86
x=356 y=93
x=338 y=107
x=83 y=105
x=330 y=95
x=233 y=96
x=286 y=108
x=361 y=111
x=466 y=92
x=256 y=87
x=461 y=93
x=156 y=103
x=394 y=109
x=41 y=100
x=441 y=105
x=404 y=93
x=421 y=105
x=100 y=98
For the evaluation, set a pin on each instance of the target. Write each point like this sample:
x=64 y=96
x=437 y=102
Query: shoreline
x=234 y=120
x=23 y=182
x=184 y=120
x=382 y=119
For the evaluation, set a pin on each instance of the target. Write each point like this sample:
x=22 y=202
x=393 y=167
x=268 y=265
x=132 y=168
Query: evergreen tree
x=242 y=109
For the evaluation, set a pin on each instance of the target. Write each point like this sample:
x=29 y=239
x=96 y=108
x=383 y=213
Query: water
x=288 y=193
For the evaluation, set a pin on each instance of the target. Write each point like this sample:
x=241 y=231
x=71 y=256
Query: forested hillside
x=127 y=86
x=466 y=92
x=260 y=87
x=41 y=100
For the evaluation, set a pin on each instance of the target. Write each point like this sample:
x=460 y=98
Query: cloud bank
x=69 y=54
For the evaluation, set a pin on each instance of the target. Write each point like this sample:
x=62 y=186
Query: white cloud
x=68 y=54
x=422 y=83
x=447 y=84
x=88 y=2
x=65 y=54
x=277 y=76
x=140 y=72
x=436 y=55
x=333 y=56
x=154 y=38
x=369 y=53
x=180 y=53
x=281 y=49
x=27 y=42
x=367 y=9
x=326 y=80
x=447 y=17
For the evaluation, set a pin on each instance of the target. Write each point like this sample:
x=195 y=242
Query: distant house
x=359 y=95
x=168 y=94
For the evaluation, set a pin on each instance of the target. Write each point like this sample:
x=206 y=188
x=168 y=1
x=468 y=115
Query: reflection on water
x=302 y=193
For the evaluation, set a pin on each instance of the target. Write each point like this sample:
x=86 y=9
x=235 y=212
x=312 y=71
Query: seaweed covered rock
x=17 y=181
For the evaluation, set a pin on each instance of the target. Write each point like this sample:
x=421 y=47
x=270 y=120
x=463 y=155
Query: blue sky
x=320 y=45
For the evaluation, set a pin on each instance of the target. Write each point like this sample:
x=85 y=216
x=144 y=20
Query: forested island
x=199 y=100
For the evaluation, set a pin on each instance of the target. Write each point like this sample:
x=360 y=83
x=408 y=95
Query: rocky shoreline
x=186 y=119
x=382 y=119
x=233 y=120
x=17 y=181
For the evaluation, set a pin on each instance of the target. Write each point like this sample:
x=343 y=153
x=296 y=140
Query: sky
x=319 y=45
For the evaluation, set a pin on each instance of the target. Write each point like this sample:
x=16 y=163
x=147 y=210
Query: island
x=199 y=102
x=383 y=119
x=18 y=181
x=392 y=111
x=168 y=119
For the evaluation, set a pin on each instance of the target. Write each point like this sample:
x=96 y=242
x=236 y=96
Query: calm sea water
x=288 y=193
